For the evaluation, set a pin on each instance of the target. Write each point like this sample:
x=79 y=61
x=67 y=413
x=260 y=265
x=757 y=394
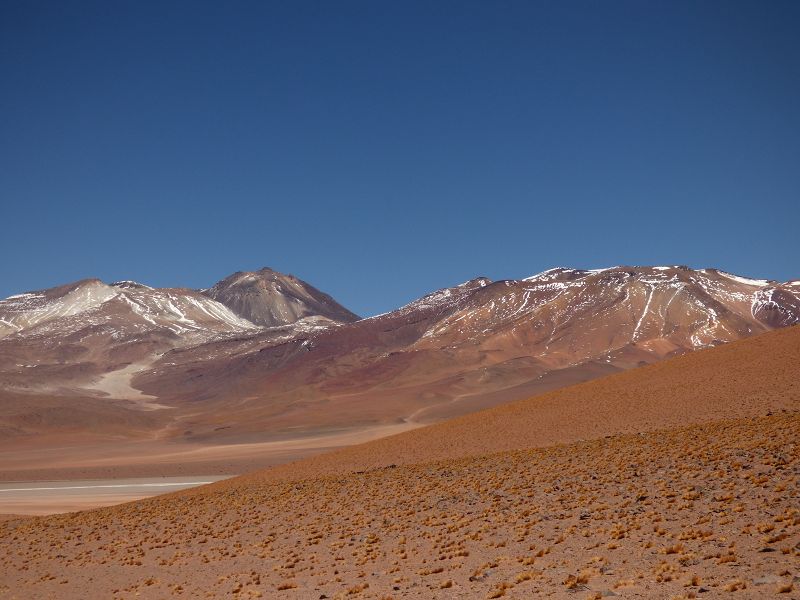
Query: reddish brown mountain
x=89 y=338
x=66 y=337
x=269 y=299
x=451 y=352
x=466 y=347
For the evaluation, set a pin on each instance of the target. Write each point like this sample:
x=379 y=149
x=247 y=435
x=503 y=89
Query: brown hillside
x=686 y=483
x=742 y=379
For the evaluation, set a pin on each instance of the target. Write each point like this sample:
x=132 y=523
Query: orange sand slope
x=741 y=379
x=695 y=490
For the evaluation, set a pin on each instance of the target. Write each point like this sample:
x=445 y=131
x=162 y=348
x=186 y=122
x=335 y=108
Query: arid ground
x=124 y=380
x=675 y=480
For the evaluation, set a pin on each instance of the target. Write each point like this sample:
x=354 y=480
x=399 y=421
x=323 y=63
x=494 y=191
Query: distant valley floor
x=20 y=462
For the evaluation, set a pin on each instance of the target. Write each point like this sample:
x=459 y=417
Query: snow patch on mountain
x=745 y=280
x=24 y=311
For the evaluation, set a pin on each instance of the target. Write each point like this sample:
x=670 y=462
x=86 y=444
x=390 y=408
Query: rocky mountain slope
x=62 y=339
x=269 y=299
x=467 y=347
x=210 y=358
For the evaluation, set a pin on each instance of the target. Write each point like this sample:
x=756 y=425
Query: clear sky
x=381 y=150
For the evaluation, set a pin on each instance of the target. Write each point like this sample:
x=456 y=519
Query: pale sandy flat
x=49 y=497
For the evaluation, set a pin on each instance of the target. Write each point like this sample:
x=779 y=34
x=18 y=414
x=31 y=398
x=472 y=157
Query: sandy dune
x=677 y=480
x=742 y=379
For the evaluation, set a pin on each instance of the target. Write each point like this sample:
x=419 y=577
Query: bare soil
x=678 y=480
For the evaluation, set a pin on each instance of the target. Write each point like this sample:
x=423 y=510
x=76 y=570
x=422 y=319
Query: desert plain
x=674 y=480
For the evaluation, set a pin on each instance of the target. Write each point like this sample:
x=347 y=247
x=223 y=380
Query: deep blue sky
x=380 y=150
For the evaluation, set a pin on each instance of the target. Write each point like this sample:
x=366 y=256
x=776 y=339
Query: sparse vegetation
x=675 y=513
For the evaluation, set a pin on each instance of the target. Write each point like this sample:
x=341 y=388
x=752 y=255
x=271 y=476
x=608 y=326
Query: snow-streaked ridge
x=174 y=310
x=746 y=280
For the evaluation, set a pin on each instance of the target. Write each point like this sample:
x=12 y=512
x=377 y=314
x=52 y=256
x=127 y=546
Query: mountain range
x=263 y=355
